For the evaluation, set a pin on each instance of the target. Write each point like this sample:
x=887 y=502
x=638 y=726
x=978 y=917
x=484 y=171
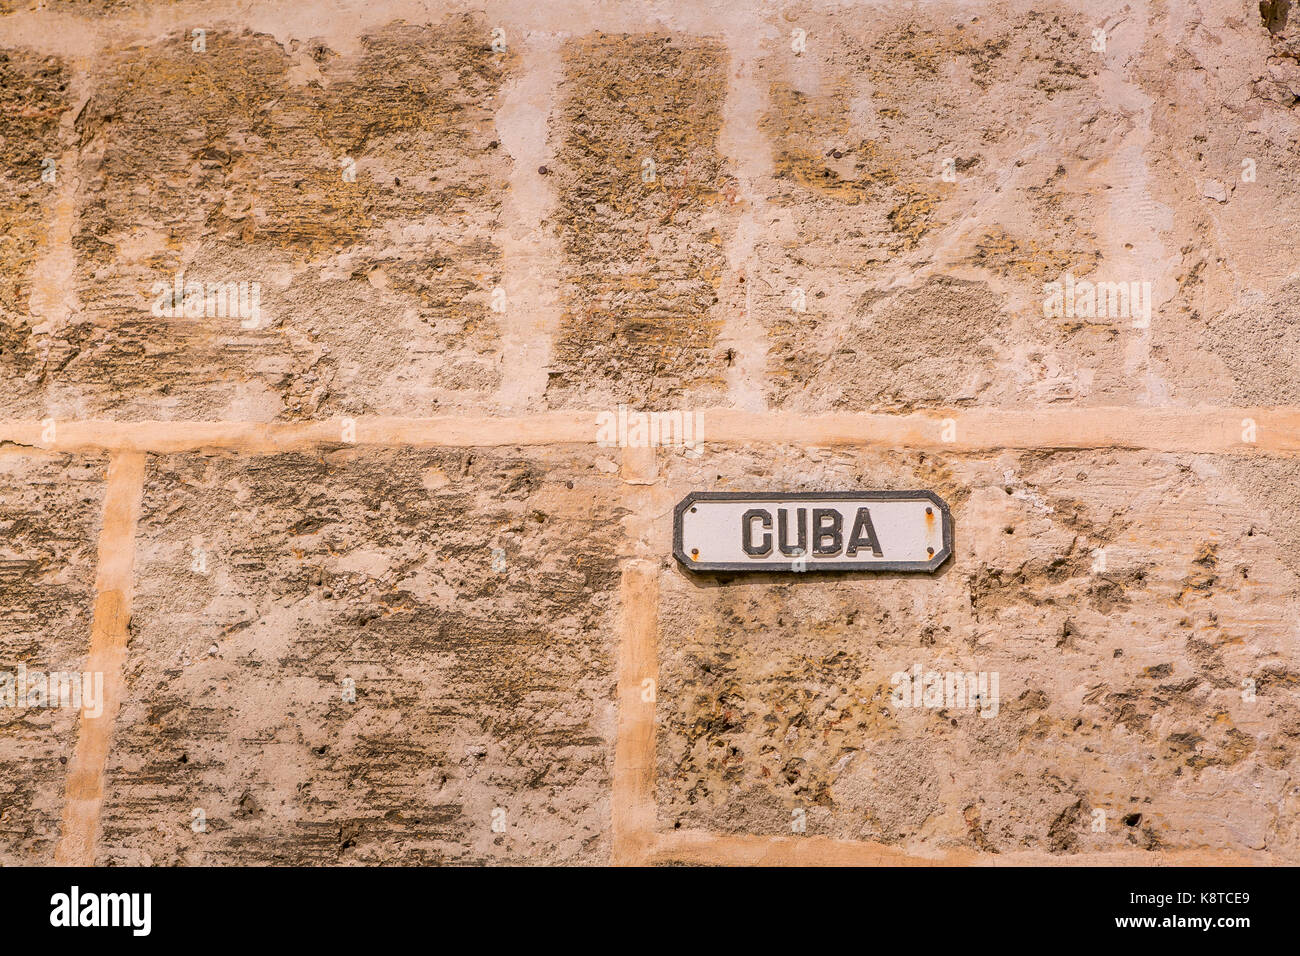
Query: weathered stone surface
x=847 y=207
x=909 y=153
x=359 y=190
x=1120 y=688
x=483 y=678
x=33 y=99
x=49 y=523
x=642 y=191
x=1222 y=336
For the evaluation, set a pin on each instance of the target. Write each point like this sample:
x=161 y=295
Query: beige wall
x=389 y=479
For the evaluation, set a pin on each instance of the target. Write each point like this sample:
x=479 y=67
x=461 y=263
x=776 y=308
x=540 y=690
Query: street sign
x=812 y=531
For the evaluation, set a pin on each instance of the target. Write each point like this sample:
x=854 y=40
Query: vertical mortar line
x=749 y=152
x=1133 y=214
x=632 y=806
x=114 y=581
x=531 y=253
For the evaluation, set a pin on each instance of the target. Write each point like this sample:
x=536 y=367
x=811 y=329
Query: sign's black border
x=942 y=555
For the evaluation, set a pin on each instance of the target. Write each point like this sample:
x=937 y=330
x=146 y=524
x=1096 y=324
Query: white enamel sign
x=812 y=531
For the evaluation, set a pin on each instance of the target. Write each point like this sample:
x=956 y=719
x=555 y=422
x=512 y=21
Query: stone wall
x=310 y=314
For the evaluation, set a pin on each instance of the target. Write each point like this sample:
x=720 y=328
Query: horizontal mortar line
x=1202 y=429
x=699 y=846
